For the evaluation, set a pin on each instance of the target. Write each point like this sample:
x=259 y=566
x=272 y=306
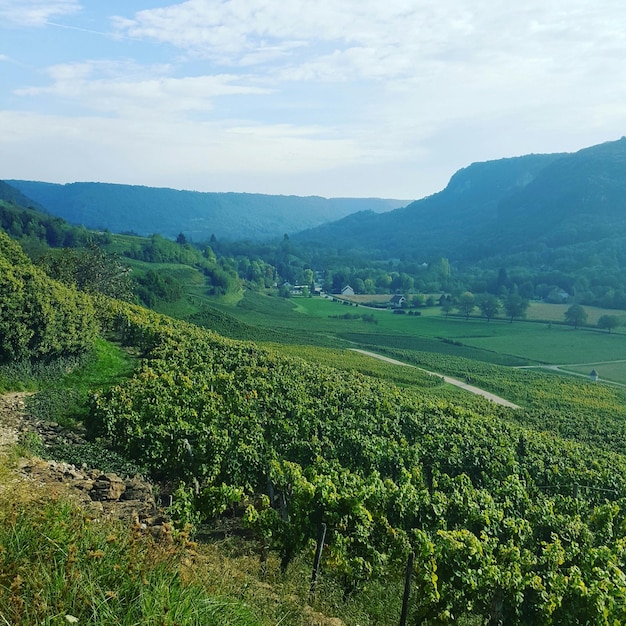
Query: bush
x=40 y=319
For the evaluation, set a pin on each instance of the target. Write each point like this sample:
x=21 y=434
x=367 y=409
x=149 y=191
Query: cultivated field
x=523 y=342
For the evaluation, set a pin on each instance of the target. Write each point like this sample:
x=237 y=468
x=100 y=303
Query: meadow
x=521 y=343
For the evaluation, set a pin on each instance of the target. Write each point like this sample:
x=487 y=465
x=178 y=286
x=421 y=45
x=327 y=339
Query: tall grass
x=58 y=565
x=104 y=365
x=64 y=386
x=29 y=376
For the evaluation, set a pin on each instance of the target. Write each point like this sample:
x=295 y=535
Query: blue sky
x=308 y=97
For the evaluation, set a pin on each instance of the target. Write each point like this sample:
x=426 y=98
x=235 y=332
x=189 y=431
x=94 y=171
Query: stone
x=138 y=489
x=107 y=487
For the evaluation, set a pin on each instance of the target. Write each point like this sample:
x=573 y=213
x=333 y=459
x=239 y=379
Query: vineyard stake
x=407 y=589
x=318 y=557
x=265 y=546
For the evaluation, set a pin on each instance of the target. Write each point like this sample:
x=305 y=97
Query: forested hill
x=11 y=194
x=198 y=215
x=499 y=207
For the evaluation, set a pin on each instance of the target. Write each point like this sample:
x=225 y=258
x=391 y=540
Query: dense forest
x=148 y=210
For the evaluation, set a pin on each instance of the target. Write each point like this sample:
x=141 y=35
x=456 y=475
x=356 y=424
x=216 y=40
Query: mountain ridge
x=495 y=207
x=198 y=215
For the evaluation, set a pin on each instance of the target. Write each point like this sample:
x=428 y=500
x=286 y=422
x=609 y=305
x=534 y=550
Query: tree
x=441 y=268
x=92 y=270
x=576 y=315
x=489 y=306
x=609 y=322
x=369 y=285
x=418 y=300
x=447 y=304
x=308 y=276
x=467 y=303
x=158 y=286
x=515 y=306
x=220 y=281
x=284 y=291
x=502 y=280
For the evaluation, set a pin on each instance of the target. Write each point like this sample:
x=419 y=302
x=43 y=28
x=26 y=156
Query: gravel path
x=447 y=379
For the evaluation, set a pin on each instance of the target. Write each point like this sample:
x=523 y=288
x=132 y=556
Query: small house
x=594 y=375
x=557 y=296
x=347 y=291
x=397 y=301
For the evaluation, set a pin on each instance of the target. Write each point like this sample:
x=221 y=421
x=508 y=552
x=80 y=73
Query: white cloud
x=128 y=89
x=362 y=91
x=36 y=12
x=163 y=152
x=373 y=39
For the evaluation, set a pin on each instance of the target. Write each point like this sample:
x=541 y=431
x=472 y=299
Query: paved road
x=447 y=379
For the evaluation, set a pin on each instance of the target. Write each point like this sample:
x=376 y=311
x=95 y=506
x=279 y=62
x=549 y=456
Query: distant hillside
x=498 y=208
x=12 y=195
x=168 y=212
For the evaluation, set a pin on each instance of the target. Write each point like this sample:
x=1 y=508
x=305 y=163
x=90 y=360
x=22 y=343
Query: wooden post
x=321 y=536
x=264 y=553
x=407 y=589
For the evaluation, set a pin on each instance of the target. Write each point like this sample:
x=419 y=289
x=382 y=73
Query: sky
x=336 y=98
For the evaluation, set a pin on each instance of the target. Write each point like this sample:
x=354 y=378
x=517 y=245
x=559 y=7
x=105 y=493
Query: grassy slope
x=56 y=564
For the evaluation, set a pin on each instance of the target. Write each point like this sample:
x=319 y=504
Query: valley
x=458 y=427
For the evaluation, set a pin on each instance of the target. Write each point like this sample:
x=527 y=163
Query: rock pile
x=101 y=495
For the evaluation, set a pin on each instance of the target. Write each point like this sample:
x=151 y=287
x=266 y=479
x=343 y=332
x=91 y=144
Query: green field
x=523 y=342
x=541 y=343
x=608 y=371
x=333 y=324
x=542 y=311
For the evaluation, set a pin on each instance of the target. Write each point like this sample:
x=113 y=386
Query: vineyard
x=570 y=407
x=505 y=516
x=507 y=524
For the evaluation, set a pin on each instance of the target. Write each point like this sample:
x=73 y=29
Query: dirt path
x=562 y=369
x=447 y=379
